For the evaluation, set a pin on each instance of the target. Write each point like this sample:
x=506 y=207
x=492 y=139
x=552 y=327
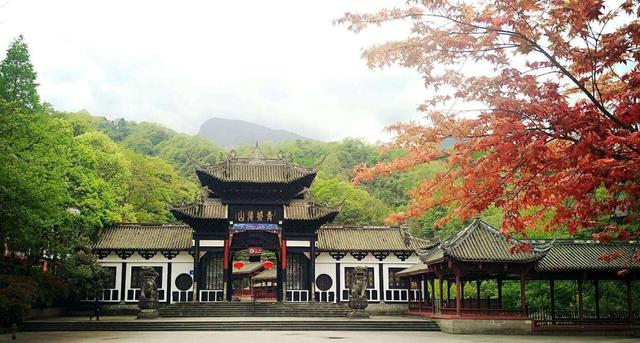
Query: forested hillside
x=64 y=175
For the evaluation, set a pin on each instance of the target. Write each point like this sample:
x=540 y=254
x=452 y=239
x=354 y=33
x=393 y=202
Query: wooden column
x=580 y=302
x=226 y=272
x=196 y=271
x=448 y=290
x=381 y=281
x=424 y=293
x=123 y=283
x=523 y=298
x=441 y=294
x=169 y=283
x=312 y=270
x=478 y=293
x=338 y=290
x=629 y=300
x=458 y=292
x=433 y=295
x=499 y=282
x=596 y=288
x=552 y=289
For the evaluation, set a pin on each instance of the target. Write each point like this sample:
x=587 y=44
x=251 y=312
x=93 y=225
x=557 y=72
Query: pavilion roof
x=418 y=268
x=481 y=242
x=248 y=268
x=570 y=255
x=208 y=209
x=302 y=209
x=297 y=209
x=144 y=237
x=265 y=275
x=368 y=238
x=256 y=168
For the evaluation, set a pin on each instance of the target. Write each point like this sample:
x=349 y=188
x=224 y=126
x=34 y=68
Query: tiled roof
x=433 y=255
x=265 y=275
x=296 y=210
x=210 y=209
x=367 y=238
x=144 y=237
x=481 y=242
x=256 y=171
x=248 y=268
x=307 y=210
x=590 y=255
x=418 y=268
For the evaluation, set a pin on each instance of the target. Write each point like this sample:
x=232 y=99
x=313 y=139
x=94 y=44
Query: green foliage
x=18 y=78
x=145 y=136
x=17 y=293
x=83 y=274
x=181 y=150
x=358 y=206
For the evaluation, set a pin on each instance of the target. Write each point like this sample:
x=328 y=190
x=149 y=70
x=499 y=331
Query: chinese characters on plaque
x=255 y=216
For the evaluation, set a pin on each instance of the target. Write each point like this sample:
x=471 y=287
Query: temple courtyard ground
x=294 y=337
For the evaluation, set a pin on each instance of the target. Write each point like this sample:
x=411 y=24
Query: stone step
x=237 y=309
x=163 y=325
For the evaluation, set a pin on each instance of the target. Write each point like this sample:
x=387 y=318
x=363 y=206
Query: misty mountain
x=229 y=133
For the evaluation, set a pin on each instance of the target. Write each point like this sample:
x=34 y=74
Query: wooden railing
x=544 y=317
x=420 y=306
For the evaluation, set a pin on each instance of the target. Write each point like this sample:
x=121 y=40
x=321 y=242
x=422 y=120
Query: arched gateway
x=254 y=204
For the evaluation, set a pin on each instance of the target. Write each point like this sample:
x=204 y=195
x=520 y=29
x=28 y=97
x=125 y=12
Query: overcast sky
x=278 y=63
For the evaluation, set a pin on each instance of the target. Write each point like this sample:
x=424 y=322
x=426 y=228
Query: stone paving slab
x=296 y=337
x=227 y=319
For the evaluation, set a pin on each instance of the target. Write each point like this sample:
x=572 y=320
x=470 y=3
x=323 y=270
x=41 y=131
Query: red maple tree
x=555 y=86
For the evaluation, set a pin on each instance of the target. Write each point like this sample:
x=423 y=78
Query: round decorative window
x=324 y=282
x=184 y=282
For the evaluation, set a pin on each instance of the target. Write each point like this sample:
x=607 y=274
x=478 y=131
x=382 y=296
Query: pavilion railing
x=545 y=317
x=473 y=303
x=420 y=306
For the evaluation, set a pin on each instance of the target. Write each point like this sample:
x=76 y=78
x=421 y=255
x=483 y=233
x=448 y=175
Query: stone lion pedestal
x=357 y=296
x=148 y=301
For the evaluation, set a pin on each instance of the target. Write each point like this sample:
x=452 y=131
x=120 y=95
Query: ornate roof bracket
x=337 y=255
x=147 y=254
x=380 y=255
x=170 y=254
x=402 y=255
x=359 y=255
x=124 y=254
x=102 y=253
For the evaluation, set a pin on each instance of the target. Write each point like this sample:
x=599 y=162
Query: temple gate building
x=258 y=207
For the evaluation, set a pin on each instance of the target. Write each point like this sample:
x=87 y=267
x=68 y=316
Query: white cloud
x=279 y=63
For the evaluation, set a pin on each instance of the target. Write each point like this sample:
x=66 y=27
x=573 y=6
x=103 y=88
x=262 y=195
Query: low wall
x=38 y=313
x=518 y=326
x=386 y=309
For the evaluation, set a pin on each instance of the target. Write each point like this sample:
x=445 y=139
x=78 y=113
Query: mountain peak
x=233 y=132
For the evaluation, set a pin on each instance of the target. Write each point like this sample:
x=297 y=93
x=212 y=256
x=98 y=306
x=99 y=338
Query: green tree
x=83 y=274
x=17 y=76
x=359 y=207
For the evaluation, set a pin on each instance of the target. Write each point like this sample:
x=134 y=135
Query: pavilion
x=480 y=253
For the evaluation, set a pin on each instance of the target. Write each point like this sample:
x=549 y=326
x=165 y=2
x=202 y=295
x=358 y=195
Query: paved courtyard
x=295 y=337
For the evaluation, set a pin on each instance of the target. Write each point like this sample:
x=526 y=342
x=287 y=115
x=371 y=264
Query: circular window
x=324 y=282
x=184 y=282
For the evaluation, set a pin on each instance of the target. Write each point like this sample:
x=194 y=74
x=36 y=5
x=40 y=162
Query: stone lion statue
x=149 y=290
x=357 y=295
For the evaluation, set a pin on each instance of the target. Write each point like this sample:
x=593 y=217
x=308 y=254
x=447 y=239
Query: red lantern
x=267 y=264
x=238 y=264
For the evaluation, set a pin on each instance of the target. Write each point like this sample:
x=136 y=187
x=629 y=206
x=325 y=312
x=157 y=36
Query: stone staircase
x=234 y=325
x=248 y=309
